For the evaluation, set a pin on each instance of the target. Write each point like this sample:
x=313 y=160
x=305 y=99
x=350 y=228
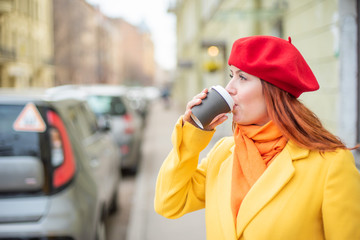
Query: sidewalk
x=145 y=223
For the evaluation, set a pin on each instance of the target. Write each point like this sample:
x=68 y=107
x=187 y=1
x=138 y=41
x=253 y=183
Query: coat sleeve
x=341 y=204
x=180 y=186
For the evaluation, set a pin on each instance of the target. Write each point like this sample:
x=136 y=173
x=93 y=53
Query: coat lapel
x=224 y=198
x=277 y=175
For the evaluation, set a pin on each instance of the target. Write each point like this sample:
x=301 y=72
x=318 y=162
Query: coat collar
x=276 y=176
x=296 y=152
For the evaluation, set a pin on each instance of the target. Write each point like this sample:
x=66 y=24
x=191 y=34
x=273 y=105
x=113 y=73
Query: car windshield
x=111 y=105
x=12 y=142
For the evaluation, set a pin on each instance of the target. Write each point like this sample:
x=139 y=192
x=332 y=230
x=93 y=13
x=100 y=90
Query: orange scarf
x=255 y=147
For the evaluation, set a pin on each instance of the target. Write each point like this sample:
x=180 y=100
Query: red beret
x=274 y=60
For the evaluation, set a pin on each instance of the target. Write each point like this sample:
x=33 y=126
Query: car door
x=100 y=148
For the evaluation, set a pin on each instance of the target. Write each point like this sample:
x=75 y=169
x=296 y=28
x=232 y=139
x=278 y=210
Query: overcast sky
x=154 y=14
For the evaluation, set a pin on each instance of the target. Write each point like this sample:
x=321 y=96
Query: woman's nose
x=229 y=88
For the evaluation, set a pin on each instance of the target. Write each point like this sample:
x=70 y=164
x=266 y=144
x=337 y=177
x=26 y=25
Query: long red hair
x=297 y=122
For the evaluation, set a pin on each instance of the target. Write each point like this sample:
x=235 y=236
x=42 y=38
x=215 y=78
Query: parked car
x=141 y=99
x=108 y=101
x=57 y=177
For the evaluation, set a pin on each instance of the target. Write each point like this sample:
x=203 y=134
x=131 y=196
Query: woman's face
x=246 y=91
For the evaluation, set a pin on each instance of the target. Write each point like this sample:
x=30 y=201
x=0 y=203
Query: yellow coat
x=302 y=195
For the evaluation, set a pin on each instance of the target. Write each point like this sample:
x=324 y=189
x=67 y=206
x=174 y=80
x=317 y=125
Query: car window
x=16 y=143
x=111 y=105
x=84 y=121
x=89 y=117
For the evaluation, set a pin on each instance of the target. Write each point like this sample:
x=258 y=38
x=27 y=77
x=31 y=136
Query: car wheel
x=114 y=204
x=101 y=230
x=134 y=169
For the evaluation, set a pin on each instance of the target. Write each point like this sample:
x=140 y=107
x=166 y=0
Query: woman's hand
x=196 y=101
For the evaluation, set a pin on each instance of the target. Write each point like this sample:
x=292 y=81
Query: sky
x=161 y=24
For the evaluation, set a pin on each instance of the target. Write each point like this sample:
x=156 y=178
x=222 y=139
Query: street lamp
x=214 y=60
x=213 y=51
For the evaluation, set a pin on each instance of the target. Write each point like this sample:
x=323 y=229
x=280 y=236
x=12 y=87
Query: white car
x=126 y=125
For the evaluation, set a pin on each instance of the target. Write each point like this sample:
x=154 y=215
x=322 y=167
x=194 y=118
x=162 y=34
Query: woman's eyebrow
x=237 y=71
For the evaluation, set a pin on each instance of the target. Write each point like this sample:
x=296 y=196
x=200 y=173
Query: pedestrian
x=281 y=175
x=165 y=95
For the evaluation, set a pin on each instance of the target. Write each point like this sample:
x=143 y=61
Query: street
x=117 y=224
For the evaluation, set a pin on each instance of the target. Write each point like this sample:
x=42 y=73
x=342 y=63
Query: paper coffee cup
x=217 y=101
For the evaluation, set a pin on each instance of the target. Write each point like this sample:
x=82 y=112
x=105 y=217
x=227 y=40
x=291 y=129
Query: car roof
x=22 y=95
x=104 y=89
x=58 y=93
x=82 y=91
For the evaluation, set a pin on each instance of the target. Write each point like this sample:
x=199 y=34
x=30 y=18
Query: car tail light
x=129 y=125
x=63 y=160
x=124 y=149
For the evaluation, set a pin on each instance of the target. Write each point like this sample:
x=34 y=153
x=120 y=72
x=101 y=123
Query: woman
x=282 y=175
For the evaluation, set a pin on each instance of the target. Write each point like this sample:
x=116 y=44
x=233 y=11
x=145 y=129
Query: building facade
x=137 y=53
x=54 y=42
x=93 y=48
x=26 y=43
x=324 y=31
x=76 y=42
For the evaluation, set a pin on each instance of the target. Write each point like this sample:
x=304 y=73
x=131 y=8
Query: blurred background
x=46 y=43
x=166 y=51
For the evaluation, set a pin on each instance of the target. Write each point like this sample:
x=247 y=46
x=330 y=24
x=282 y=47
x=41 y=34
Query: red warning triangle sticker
x=29 y=120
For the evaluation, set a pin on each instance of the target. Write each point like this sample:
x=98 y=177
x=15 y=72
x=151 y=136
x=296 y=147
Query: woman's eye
x=242 y=77
x=230 y=75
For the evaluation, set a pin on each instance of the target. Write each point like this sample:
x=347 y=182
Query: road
x=117 y=224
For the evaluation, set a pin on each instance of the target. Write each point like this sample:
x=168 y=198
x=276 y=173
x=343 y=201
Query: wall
x=26 y=43
x=313 y=26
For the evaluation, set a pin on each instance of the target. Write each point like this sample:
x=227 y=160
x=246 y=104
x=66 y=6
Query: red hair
x=297 y=122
